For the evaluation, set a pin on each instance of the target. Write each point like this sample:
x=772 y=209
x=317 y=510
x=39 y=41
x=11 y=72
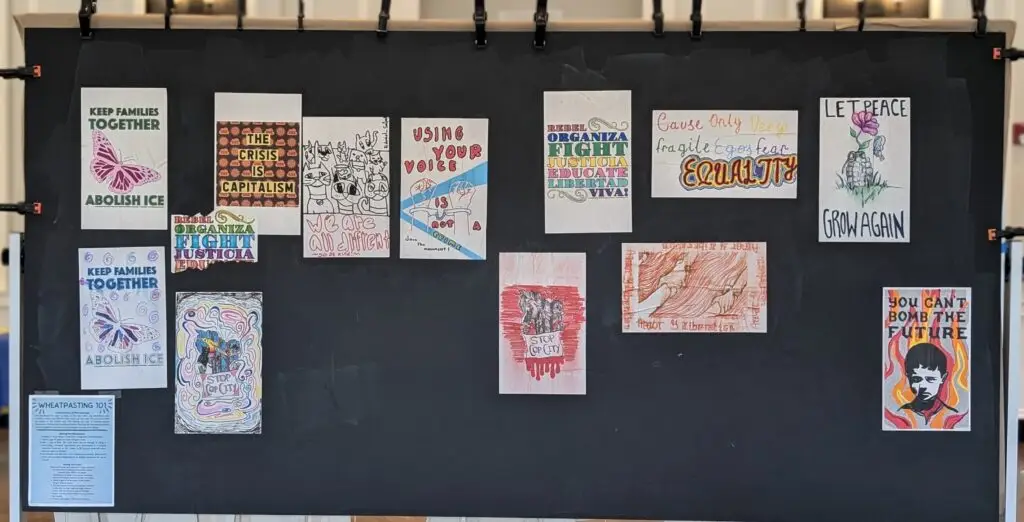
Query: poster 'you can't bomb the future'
x=926 y=359
x=124 y=159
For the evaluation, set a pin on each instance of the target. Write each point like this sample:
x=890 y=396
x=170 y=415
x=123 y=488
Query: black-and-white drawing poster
x=346 y=184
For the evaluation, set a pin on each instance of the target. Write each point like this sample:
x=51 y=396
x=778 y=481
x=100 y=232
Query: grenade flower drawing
x=858 y=176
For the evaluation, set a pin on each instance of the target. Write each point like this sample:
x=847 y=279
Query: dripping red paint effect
x=511 y=319
x=541 y=366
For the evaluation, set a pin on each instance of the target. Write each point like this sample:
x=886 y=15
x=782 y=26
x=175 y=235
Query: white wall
x=11 y=96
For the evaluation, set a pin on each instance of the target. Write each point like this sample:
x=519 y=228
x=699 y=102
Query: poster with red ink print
x=694 y=287
x=926 y=359
x=542 y=342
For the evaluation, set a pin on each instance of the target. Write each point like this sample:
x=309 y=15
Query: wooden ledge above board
x=156 y=21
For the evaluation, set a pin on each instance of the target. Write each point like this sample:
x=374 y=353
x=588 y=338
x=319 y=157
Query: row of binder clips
x=540 y=19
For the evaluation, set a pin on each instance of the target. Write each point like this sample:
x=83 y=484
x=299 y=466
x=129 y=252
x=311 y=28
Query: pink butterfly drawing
x=107 y=167
x=110 y=330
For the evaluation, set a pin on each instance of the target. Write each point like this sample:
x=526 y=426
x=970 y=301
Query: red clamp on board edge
x=26 y=72
x=25 y=208
x=995 y=234
x=1009 y=54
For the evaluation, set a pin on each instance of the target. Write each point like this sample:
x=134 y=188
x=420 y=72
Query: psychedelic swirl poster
x=219 y=363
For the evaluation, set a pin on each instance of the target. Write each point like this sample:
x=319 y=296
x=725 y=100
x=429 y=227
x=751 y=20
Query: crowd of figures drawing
x=346 y=187
x=329 y=181
x=339 y=179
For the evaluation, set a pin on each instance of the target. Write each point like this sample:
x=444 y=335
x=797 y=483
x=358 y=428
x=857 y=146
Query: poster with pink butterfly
x=123 y=317
x=124 y=159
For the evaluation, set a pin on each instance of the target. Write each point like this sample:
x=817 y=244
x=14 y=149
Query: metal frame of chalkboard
x=1011 y=290
x=88 y=21
x=14 y=379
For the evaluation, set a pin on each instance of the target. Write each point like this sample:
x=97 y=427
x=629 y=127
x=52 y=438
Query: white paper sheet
x=71 y=450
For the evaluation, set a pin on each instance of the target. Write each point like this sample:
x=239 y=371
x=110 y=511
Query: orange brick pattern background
x=229 y=140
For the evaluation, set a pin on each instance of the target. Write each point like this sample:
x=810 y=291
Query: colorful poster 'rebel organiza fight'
x=257 y=148
x=124 y=159
x=443 y=206
x=123 y=318
x=724 y=154
x=587 y=162
x=223 y=236
x=864 y=176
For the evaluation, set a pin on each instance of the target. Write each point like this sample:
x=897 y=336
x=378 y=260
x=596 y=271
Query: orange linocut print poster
x=258 y=144
x=926 y=359
x=258 y=164
x=542 y=324
x=694 y=287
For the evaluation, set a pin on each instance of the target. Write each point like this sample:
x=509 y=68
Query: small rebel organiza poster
x=223 y=236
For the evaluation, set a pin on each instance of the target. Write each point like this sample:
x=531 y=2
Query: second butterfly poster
x=124 y=159
x=346 y=183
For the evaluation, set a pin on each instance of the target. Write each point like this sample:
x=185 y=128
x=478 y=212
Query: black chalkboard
x=380 y=376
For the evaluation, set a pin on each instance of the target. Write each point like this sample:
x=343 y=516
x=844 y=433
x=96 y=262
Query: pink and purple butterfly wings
x=111 y=331
x=108 y=168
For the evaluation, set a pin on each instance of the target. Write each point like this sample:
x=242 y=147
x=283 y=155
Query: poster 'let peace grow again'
x=864 y=177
